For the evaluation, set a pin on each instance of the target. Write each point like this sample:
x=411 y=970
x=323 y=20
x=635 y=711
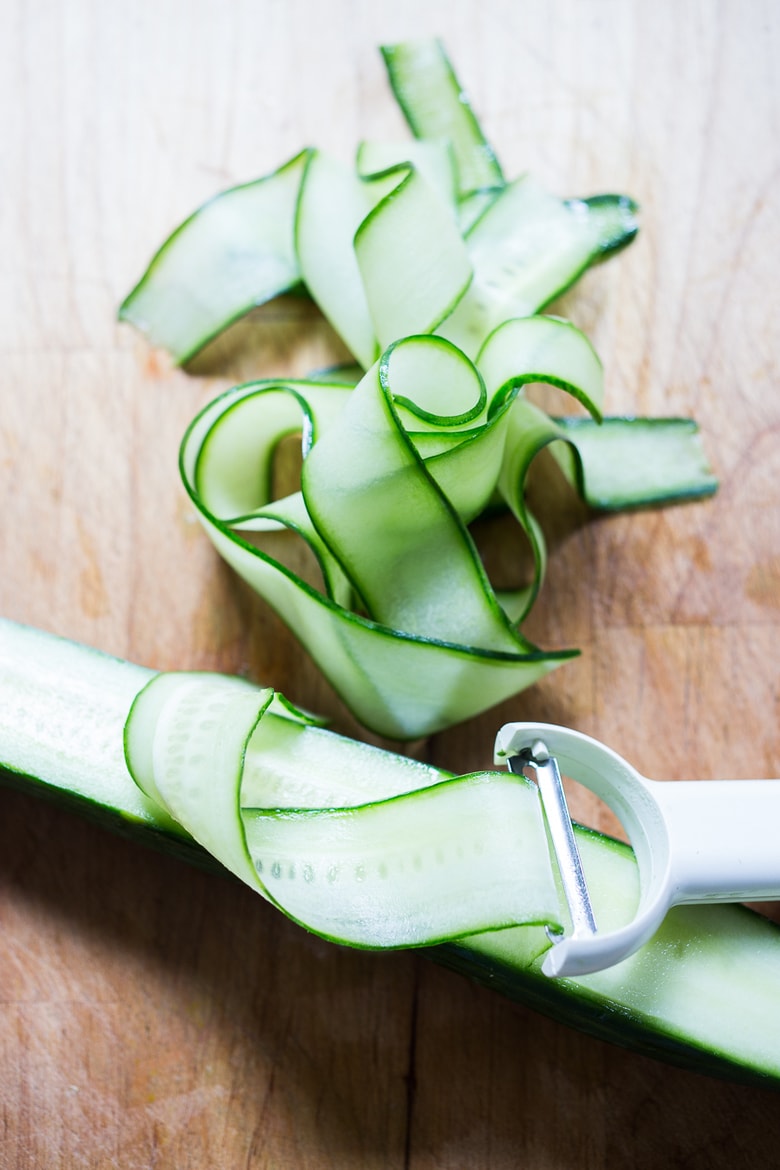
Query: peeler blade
x=545 y=772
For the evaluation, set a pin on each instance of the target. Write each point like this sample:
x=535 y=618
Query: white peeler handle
x=724 y=839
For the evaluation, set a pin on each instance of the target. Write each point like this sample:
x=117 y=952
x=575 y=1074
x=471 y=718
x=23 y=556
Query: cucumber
x=371 y=848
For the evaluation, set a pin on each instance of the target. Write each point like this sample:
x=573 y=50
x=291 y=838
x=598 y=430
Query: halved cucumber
x=702 y=993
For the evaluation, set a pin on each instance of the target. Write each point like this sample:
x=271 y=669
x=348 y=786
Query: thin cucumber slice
x=333 y=202
x=455 y=856
x=526 y=249
x=702 y=993
x=234 y=253
x=435 y=106
x=543 y=349
x=432 y=158
x=472 y=207
x=405 y=624
x=412 y=259
x=613 y=220
x=465 y=855
x=362 y=478
x=630 y=462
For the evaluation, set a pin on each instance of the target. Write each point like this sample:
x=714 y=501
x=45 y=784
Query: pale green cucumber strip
x=432 y=159
x=290 y=513
x=435 y=106
x=235 y=458
x=529 y=430
x=333 y=203
x=235 y=252
x=401 y=686
x=343 y=373
x=235 y=439
x=526 y=249
x=702 y=993
x=185 y=743
x=635 y=462
x=465 y=854
x=615 y=464
x=473 y=206
x=518 y=352
x=543 y=349
x=284 y=768
x=260 y=239
x=612 y=219
x=413 y=262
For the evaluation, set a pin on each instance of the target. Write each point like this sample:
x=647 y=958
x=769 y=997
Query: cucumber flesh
x=417 y=661
x=432 y=158
x=413 y=262
x=702 y=993
x=407 y=626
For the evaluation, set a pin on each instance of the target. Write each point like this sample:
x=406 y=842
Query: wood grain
x=151 y=1016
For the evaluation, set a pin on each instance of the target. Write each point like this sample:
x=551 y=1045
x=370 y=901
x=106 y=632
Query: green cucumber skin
x=599 y=1017
x=112 y=818
x=609 y=1023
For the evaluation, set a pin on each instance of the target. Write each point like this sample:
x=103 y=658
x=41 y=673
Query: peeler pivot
x=694 y=841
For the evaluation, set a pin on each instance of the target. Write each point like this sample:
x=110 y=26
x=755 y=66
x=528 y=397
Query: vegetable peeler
x=694 y=841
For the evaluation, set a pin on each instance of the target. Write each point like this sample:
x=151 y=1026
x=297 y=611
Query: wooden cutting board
x=155 y=1016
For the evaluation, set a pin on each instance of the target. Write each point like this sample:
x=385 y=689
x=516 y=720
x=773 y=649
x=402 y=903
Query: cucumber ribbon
x=356 y=844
